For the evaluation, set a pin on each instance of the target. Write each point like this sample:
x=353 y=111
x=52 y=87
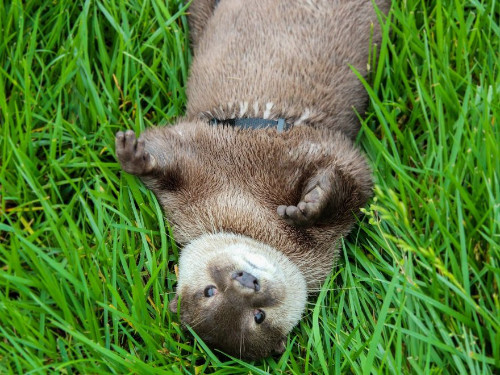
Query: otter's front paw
x=131 y=154
x=310 y=208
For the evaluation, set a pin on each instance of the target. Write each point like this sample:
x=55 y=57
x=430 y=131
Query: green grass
x=87 y=261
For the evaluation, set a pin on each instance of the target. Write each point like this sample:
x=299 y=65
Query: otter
x=261 y=178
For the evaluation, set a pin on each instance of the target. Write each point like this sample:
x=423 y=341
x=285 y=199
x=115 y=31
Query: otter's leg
x=331 y=196
x=200 y=12
x=131 y=154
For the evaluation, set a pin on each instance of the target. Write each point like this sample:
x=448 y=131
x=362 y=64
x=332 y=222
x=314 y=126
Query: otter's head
x=239 y=295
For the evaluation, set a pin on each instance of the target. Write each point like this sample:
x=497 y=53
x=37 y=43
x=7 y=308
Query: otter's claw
x=131 y=154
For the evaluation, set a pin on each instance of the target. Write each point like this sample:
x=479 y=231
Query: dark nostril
x=256 y=285
x=247 y=280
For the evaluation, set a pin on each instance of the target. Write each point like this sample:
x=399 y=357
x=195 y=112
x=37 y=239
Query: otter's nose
x=247 y=280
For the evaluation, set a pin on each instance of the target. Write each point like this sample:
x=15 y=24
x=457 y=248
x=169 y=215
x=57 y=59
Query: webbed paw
x=311 y=207
x=130 y=151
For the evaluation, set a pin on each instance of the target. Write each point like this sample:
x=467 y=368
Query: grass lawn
x=87 y=261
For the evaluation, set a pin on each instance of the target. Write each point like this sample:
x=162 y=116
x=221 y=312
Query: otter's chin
x=238 y=294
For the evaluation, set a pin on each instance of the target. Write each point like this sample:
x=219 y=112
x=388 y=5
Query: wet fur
x=297 y=191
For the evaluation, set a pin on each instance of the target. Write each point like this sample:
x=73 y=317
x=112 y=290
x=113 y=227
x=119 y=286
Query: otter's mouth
x=252 y=265
x=259 y=263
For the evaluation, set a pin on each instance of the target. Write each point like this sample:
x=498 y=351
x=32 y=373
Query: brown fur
x=294 y=54
x=296 y=191
x=218 y=179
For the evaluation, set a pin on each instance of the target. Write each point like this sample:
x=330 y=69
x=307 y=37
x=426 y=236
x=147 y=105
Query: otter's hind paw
x=131 y=154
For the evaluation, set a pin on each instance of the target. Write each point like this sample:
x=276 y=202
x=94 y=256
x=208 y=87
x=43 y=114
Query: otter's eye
x=210 y=291
x=259 y=316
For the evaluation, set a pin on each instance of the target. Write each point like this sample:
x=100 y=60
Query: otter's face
x=239 y=295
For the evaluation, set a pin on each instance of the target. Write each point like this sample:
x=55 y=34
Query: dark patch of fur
x=167 y=182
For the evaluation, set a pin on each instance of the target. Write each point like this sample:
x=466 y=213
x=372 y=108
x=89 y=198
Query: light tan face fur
x=242 y=318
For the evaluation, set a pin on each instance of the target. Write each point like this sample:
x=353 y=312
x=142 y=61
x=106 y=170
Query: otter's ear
x=172 y=305
x=279 y=347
